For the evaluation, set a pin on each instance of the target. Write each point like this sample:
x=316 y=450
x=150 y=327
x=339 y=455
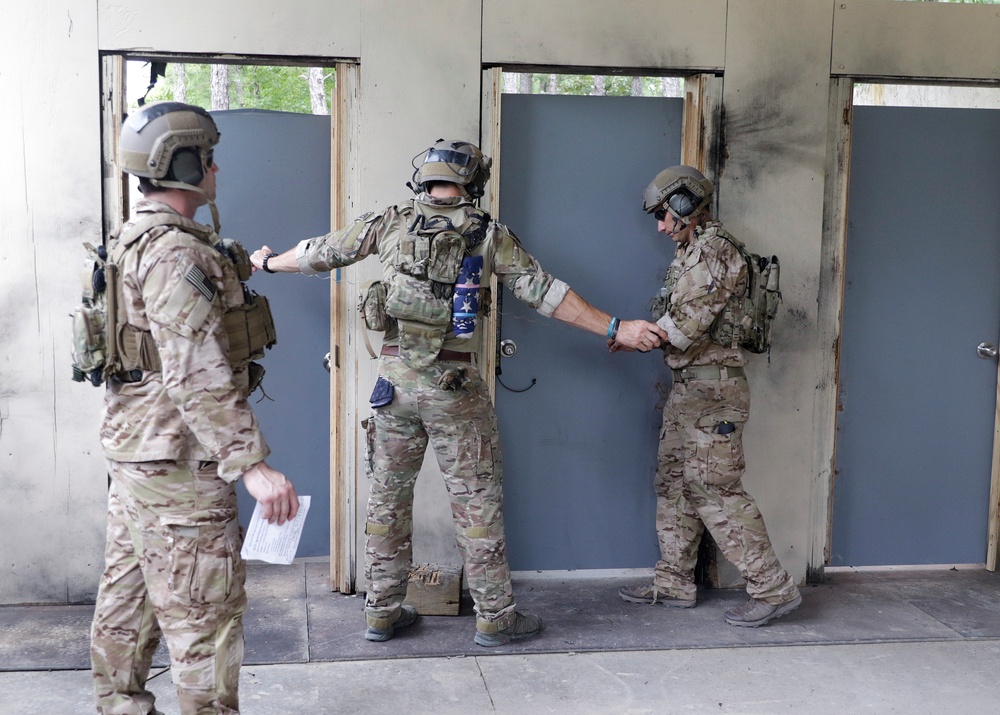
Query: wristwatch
x=266 y=259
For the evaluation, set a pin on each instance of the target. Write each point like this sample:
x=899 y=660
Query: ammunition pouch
x=660 y=303
x=234 y=250
x=250 y=328
x=137 y=351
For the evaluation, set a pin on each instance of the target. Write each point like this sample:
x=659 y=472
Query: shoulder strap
x=164 y=218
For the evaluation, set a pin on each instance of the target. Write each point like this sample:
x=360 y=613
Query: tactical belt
x=444 y=355
x=707 y=372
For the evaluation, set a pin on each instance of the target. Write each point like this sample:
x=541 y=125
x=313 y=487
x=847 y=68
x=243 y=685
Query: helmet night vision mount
x=453 y=161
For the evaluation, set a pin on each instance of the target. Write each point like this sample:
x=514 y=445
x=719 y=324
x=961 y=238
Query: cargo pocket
x=718 y=453
x=202 y=558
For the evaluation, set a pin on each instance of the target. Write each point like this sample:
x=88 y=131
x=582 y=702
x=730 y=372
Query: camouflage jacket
x=196 y=408
x=710 y=269
x=380 y=234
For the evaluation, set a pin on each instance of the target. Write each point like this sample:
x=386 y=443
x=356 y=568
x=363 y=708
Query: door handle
x=986 y=351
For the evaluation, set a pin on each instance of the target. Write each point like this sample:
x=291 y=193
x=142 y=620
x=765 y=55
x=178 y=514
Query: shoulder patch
x=196 y=277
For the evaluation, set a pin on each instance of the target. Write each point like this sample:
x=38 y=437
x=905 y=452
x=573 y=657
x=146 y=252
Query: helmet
x=167 y=140
x=681 y=190
x=457 y=162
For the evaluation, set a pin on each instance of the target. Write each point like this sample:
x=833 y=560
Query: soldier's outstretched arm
x=277 y=497
x=636 y=334
x=277 y=263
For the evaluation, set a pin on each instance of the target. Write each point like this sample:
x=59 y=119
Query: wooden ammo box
x=435 y=590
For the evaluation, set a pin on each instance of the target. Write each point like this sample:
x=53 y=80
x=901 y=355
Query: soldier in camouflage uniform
x=698 y=479
x=438 y=252
x=177 y=432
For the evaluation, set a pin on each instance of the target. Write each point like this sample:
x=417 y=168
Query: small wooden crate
x=435 y=590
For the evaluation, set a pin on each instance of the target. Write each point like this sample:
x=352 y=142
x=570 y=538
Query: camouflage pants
x=172 y=563
x=461 y=427
x=698 y=486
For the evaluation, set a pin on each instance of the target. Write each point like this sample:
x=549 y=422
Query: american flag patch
x=199 y=280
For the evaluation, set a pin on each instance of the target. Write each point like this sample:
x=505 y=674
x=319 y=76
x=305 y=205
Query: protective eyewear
x=448 y=157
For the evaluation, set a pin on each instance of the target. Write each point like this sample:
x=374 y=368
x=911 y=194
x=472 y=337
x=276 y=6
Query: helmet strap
x=198 y=190
x=683 y=220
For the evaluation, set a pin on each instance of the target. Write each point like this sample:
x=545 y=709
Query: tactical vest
x=119 y=349
x=423 y=272
x=745 y=321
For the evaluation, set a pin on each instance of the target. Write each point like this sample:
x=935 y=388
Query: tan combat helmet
x=167 y=143
x=683 y=191
x=457 y=162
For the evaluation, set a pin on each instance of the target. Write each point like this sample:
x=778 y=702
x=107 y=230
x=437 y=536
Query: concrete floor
x=864 y=642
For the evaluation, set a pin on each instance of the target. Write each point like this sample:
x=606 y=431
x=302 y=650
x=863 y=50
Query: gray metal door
x=580 y=445
x=274 y=188
x=915 y=430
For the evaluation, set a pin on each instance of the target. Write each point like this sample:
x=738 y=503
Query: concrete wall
x=420 y=79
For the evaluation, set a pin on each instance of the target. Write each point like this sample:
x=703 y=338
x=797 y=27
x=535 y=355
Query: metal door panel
x=922 y=290
x=274 y=188
x=580 y=445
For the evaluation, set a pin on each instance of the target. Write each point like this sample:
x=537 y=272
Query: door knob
x=986 y=350
x=508 y=348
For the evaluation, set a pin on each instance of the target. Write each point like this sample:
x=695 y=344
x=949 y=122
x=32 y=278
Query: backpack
x=746 y=320
x=90 y=319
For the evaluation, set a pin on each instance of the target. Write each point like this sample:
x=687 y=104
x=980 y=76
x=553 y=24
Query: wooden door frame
x=344 y=188
x=830 y=322
x=993 y=540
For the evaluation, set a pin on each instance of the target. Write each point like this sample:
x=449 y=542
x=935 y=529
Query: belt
x=444 y=355
x=707 y=372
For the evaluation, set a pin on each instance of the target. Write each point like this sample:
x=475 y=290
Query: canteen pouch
x=373 y=306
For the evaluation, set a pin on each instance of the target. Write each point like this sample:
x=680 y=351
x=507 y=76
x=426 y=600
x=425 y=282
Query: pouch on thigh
x=717 y=456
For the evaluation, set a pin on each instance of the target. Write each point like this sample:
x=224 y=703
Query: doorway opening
x=917 y=450
x=596 y=85
x=281 y=158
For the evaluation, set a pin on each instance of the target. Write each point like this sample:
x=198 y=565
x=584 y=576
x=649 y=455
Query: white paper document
x=273 y=543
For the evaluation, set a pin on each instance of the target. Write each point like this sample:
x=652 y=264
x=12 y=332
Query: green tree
x=585 y=84
x=284 y=89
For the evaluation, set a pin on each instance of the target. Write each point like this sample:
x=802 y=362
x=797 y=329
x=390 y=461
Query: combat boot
x=756 y=613
x=383 y=628
x=522 y=625
x=649 y=594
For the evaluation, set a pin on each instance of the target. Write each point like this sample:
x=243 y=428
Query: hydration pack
x=746 y=320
